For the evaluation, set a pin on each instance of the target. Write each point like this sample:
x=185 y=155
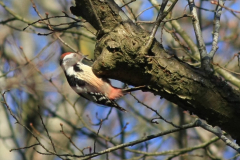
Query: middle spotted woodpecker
x=83 y=81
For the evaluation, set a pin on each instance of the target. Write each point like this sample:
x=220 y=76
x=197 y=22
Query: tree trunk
x=120 y=55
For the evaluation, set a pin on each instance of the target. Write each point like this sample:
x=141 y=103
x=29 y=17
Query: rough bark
x=119 y=52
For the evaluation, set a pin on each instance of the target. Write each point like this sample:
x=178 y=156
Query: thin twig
x=18 y=122
x=216 y=28
x=48 y=18
x=120 y=131
x=104 y=119
x=94 y=148
x=127 y=3
x=168 y=20
x=147 y=9
x=191 y=125
x=24 y=20
x=52 y=29
x=14 y=137
x=24 y=147
x=235 y=55
x=69 y=138
x=159 y=19
x=155 y=111
x=216 y=64
x=205 y=60
x=130 y=11
x=222 y=5
x=46 y=130
x=177 y=151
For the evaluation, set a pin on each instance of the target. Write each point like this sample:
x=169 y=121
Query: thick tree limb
x=119 y=56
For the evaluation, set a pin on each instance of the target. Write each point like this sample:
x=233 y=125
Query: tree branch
x=191 y=125
x=119 y=57
x=205 y=60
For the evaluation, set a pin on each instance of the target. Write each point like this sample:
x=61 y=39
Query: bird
x=86 y=84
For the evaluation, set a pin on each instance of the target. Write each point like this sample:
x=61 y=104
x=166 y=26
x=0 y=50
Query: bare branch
x=205 y=60
x=217 y=131
x=191 y=125
x=160 y=17
x=155 y=111
x=46 y=130
x=94 y=148
x=216 y=28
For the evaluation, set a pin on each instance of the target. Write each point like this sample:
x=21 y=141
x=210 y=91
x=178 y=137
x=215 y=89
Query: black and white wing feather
x=87 y=91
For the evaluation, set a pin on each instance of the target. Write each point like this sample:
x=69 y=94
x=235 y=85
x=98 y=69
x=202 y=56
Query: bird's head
x=70 y=59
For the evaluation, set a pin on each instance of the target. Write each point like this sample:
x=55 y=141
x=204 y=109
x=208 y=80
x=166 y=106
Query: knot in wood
x=131 y=45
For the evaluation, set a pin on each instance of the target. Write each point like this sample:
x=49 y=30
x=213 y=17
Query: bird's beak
x=80 y=56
